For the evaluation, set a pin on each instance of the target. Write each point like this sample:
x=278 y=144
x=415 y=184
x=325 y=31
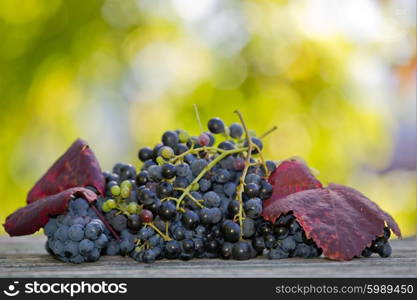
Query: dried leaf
x=32 y=217
x=340 y=219
x=77 y=167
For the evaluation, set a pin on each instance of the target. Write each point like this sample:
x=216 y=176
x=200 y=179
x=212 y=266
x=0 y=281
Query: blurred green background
x=336 y=77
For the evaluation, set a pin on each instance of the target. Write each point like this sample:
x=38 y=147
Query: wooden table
x=26 y=257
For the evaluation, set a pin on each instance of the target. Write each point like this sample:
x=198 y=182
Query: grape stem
x=198 y=117
x=262 y=160
x=241 y=186
x=190 y=196
x=268 y=132
x=195 y=151
x=165 y=237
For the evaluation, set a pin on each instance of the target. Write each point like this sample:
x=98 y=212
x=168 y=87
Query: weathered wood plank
x=26 y=257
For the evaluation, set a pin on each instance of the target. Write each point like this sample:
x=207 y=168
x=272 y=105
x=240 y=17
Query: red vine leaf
x=340 y=219
x=77 y=167
x=32 y=217
x=289 y=177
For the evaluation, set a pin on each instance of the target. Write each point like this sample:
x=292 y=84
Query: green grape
x=160 y=160
x=115 y=190
x=125 y=192
x=195 y=186
x=166 y=152
x=111 y=203
x=105 y=207
x=126 y=184
x=183 y=136
x=132 y=207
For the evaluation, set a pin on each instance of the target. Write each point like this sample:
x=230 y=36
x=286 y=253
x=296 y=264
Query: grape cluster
x=77 y=236
x=285 y=238
x=193 y=197
x=380 y=245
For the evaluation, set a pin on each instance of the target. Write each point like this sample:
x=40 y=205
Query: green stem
x=190 y=196
x=240 y=188
x=165 y=237
x=195 y=151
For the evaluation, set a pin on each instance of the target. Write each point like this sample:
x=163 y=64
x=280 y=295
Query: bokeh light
x=337 y=78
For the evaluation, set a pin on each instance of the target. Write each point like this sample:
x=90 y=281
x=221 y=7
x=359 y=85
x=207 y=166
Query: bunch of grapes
x=77 y=236
x=194 y=197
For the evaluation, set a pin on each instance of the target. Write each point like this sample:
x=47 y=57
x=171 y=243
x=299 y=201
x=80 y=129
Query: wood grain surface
x=26 y=257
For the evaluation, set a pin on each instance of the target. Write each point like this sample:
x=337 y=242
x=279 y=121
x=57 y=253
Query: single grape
x=125 y=192
x=302 y=250
x=183 y=170
x=164 y=189
x=205 y=185
x=216 y=125
x=241 y=251
x=386 y=250
x=183 y=136
x=142 y=178
x=277 y=253
x=101 y=241
x=288 y=244
x=230 y=188
x=248 y=228
x=222 y=175
x=198 y=165
x=257 y=142
x=235 y=130
x=155 y=173
x=115 y=190
x=50 y=227
x=146 y=216
x=76 y=232
x=172 y=249
x=85 y=247
x=211 y=199
x=167 y=211
x=93 y=230
x=61 y=233
x=111 y=204
x=226 y=145
x=149 y=256
x=146 y=196
x=132 y=208
x=271 y=166
x=119 y=222
x=190 y=220
x=168 y=171
x=70 y=249
x=265 y=190
x=253 y=208
x=180 y=149
x=126 y=245
x=253 y=178
x=216 y=215
x=170 y=138
x=251 y=190
x=231 y=232
x=258 y=244
x=281 y=232
x=239 y=164
x=203 y=140
x=145 y=153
